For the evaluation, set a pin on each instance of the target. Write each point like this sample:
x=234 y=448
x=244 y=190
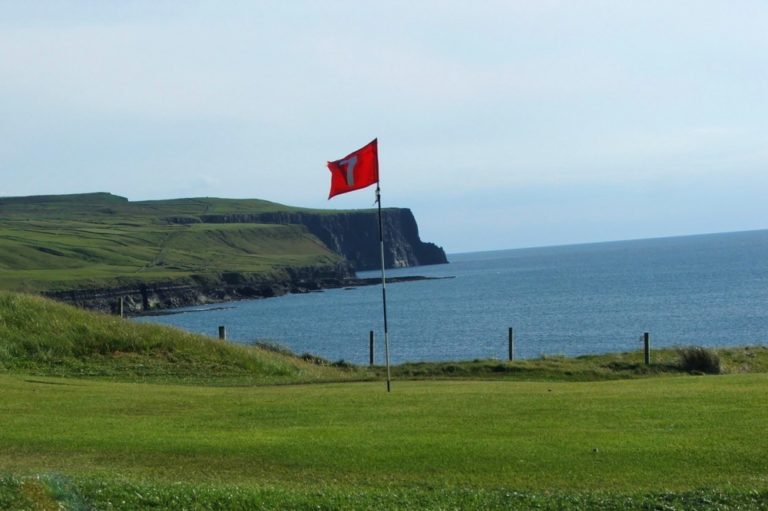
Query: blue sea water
x=707 y=290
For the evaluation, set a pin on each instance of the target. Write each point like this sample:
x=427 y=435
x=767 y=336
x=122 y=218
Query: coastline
x=160 y=298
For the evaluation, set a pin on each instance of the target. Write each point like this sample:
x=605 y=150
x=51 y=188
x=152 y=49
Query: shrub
x=695 y=359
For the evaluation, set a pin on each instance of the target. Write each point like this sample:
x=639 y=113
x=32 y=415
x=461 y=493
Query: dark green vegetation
x=101 y=240
x=696 y=359
x=102 y=413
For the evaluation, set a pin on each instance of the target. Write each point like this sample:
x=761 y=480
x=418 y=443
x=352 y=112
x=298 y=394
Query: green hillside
x=44 y=337
x=68 y=241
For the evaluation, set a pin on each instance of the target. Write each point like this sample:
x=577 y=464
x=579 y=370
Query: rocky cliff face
x=203 y=289
x=355 y=235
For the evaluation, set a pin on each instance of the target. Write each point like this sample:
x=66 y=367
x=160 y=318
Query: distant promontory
x=96 y=250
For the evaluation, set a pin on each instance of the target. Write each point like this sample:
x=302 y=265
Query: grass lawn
x=632 y=437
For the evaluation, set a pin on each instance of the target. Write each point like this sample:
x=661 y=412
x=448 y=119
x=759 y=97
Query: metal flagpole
x=383 y=290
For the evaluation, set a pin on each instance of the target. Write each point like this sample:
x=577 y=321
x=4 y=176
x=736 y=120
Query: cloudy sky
x=501 y=124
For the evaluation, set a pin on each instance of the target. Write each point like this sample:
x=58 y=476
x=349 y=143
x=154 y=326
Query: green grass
x=46 y=492
x=100 y=240
x=607 y=366
x=98 y=412
x=440 y=441
x=44 y=337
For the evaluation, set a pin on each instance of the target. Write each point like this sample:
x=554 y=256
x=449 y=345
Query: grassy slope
x=40 y=336
x=53 y=242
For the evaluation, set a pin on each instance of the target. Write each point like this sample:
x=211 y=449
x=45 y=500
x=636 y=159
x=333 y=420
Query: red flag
x=356 y=170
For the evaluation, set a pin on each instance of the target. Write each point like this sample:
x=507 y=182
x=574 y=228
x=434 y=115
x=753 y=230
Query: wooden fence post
x=511 y=344
x=647 y=348
x=371 y=337
x=222 y=333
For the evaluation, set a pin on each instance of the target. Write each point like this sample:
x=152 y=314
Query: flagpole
x=383 y=290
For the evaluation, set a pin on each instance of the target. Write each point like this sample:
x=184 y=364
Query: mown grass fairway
x=666 y=433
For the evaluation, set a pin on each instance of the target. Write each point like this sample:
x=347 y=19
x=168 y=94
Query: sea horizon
x=598 y=242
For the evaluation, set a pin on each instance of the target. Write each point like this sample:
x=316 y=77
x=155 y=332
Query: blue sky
x=501 y=123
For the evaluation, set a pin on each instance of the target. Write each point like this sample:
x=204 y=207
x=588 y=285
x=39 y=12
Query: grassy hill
x=101 y=240
x=43 y=337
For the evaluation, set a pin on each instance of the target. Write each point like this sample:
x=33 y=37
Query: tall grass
x=695 y=359
x=41 y=336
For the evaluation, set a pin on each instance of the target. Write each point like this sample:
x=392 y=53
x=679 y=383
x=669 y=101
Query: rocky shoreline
x=161 y=297
x=141 y=297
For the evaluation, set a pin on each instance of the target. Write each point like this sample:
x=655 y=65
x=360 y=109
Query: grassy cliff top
x=106 y=207
x=101 y=240
x=43 y=337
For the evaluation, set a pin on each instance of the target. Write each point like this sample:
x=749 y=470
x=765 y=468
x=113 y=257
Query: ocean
x=704 y=290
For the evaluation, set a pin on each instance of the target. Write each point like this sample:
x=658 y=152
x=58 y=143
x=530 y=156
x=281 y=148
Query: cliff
x=94 y=249
x=355 y=235
x=141 y=297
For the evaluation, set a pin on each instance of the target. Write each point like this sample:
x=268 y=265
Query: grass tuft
x=695 y=359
